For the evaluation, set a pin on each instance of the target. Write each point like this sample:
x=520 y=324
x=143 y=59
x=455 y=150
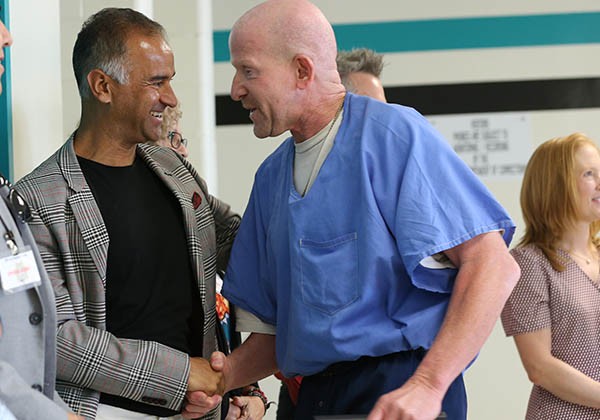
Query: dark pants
x=285 y=405
x=355 y=387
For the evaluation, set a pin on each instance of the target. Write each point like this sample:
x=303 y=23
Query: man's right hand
x=416 y=399
x=204 y=378
x=73 y=416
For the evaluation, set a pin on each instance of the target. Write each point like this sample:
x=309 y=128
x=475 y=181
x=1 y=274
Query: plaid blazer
x=73 y=243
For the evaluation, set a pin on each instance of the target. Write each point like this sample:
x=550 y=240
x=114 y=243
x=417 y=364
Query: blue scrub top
x=338 y=271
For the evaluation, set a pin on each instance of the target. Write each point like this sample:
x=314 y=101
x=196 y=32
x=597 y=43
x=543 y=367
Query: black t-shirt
x=151 y=293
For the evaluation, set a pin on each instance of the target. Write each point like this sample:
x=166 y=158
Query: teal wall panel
x=458 y=33
x=6 y=163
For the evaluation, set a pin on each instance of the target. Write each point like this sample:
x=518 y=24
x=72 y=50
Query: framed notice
x=494 y=145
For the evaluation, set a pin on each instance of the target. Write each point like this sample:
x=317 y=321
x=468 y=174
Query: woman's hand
x=250 y=408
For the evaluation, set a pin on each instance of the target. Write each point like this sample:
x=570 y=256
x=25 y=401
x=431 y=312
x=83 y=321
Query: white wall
x=46 y=110
x=36 y=82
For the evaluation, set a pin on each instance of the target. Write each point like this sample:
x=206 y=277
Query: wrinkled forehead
x=246 y=43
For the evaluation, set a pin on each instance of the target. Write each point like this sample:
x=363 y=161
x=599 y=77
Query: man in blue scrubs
x=374 y=258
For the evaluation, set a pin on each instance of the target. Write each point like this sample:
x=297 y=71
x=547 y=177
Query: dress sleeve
x=528 y=307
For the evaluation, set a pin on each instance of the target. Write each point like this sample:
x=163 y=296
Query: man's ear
x=100 y=85
x=305 y=70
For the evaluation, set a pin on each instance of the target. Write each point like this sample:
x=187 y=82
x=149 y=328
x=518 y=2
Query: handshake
x=206 y=385
x=207 y=376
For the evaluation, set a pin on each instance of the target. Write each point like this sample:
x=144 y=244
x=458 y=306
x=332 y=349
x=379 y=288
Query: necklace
x=337 y=114
x=331 y=125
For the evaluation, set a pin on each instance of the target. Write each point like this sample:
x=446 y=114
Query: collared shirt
x=339 y=270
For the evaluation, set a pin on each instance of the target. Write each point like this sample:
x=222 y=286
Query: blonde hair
x=170 y=119
x=549 y=195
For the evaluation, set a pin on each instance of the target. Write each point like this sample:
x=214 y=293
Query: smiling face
x=138 y=105
x=264 y=82
x=587 y=173
x=5 y=41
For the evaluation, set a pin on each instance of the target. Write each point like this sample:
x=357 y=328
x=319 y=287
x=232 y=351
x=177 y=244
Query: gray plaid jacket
x=73 y=243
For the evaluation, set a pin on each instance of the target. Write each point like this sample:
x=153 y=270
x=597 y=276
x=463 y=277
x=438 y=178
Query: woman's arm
x=554 y=375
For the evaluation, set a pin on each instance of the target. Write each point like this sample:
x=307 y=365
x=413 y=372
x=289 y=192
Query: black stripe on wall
x=230 y=112
x=465 y=98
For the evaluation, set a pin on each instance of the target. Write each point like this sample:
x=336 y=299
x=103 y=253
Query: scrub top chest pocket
x=329 y=272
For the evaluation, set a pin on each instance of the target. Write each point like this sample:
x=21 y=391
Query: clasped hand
x=205 y=388
x=204 y=378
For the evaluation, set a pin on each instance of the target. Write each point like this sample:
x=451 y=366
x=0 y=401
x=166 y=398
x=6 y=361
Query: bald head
x=286 y=75
x=287 y=28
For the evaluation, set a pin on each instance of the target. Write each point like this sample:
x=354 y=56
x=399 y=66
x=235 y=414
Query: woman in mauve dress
x=554 y=311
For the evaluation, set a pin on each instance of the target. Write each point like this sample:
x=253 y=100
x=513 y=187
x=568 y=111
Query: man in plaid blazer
x=129 y=234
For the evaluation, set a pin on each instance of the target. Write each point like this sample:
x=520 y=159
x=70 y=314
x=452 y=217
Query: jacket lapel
x=196 y=213
x=85 y=210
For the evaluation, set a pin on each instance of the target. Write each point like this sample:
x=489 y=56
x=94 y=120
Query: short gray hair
x=359 y=60
x=102 y=44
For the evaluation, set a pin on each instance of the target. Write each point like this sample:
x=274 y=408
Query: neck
x=313 y=122
x=99 y=146
x=577 y=240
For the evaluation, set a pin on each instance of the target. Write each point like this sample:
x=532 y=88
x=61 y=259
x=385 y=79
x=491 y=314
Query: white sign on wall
x=494 y=145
